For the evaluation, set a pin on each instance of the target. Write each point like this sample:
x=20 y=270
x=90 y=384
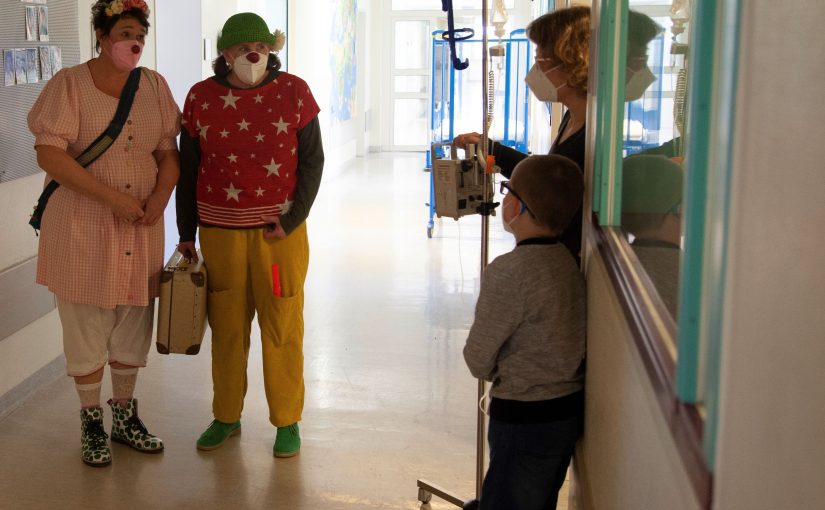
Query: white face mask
x=540 y=84
x=250 y=72
x=638 y=83
x=508 y=224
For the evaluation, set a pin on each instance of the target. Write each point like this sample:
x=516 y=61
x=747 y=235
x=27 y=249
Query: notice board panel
x=36 y=36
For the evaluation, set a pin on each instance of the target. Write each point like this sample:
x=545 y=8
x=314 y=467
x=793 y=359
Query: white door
x=409 y=87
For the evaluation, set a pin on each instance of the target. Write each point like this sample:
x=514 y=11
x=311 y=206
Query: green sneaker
x=287 y=441
x=217 y=432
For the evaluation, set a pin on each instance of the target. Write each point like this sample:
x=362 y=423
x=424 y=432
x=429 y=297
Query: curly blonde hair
x=564 y=36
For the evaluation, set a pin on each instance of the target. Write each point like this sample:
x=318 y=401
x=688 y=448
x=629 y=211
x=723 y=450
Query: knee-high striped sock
x=123 y=384
x=89 y=394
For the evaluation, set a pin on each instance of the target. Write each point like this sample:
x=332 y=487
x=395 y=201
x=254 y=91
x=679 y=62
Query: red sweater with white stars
x=248 y=144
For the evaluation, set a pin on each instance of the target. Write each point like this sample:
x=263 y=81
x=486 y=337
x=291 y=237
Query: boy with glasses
x=528 y=339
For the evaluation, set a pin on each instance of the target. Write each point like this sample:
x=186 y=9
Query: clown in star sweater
x=247 y=153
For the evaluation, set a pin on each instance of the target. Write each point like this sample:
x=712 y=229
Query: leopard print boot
x=94 y=449
x=128 y=429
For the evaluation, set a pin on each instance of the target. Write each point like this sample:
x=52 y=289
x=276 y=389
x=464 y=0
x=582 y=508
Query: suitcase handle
x=179 y=263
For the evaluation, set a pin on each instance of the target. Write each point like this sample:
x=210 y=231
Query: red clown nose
x=135 y=49
x=253 y=57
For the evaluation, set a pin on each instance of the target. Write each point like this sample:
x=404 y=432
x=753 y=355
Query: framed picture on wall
x=31 y=23
x=43 y=22
x=20 y=66
x=57 y=59
x=31 y=65
x=8 y=67
x=45 y=63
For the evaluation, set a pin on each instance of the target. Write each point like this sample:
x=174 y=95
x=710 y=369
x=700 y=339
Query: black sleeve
x=187 y=209
x=310 y=169
x=668 y=149
x=507 y=158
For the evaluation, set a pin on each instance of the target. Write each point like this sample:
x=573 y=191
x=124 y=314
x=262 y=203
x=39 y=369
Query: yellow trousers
x=241 y=283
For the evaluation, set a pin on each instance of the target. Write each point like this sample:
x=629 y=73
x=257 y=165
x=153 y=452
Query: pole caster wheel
x=424 y=497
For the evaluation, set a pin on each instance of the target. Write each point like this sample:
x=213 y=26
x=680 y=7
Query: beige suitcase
x=182 y=306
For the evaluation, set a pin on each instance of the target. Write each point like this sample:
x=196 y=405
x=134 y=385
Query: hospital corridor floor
x=388 y=396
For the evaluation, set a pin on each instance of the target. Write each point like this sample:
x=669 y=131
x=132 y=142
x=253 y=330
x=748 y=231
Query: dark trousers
x=528 y=463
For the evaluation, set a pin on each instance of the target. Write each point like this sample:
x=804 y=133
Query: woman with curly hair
x=251 y=164
x=101 y=241
x=562 y=40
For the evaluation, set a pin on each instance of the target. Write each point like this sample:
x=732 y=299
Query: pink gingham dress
x=86 y=255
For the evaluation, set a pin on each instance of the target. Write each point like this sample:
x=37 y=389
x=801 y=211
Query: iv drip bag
x=499 y=17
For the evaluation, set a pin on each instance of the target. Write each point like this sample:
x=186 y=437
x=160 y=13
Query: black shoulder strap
x=100 y=145
x=108 y=137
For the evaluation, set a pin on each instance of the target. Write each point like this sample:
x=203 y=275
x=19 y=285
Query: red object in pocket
x=276 y=280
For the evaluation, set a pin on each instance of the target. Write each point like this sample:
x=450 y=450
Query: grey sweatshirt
x=528 y=336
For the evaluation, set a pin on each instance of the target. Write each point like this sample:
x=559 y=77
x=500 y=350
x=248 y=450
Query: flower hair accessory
x=280 y=40
x=117 y=7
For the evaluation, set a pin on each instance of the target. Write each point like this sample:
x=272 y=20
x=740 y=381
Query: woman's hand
x=152 y=209
x=188 y=250
x=462 y=140
x=124 y=207
x=273 y=229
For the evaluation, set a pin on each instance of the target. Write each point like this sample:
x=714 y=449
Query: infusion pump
x=458 y=184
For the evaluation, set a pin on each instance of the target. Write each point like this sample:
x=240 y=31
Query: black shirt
x=573 y=147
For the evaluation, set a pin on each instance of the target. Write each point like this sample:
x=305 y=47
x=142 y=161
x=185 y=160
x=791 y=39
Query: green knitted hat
x=244 y=27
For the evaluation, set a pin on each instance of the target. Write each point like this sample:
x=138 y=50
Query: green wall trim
x=610 y=104
x=697 y=134
x=722 y=162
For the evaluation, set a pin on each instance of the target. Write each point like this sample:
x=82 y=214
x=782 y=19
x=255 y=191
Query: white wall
x=771 y=439
x=373 y=56
x=181 y=48
x=309 y=51
x=628 y=458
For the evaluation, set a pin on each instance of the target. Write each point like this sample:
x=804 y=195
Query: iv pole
x=427 y=489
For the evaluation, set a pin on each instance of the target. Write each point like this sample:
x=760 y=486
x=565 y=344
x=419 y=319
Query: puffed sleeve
x=55 y=117
x=169 y=115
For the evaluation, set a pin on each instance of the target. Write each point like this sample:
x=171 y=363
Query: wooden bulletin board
x=35 y=35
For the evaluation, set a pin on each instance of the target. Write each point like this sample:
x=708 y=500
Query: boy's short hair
x=551 y=187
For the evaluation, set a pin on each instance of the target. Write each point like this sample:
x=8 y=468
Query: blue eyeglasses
x=505 y=189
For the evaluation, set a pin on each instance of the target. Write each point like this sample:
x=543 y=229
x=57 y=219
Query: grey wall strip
x=18 y=395
x=21 y=300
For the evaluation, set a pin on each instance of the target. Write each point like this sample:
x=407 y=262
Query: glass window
x=652 y=179
x=412 y=44
x=663 y=127
x=411 y=84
